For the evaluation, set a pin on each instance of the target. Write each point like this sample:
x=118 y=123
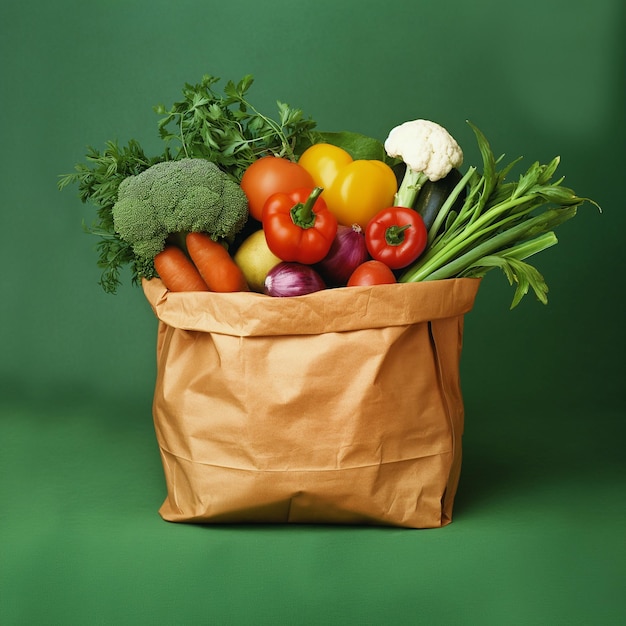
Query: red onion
x=292 y=279
x=346 y=253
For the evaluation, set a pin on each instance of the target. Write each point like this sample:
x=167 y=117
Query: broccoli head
x=185 y=195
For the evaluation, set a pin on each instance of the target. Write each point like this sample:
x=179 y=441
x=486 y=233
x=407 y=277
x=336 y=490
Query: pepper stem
x=394 y=235
x=302 y=213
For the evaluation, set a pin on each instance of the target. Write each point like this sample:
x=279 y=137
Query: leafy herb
x=223 y=128
x=228 y=130
x=499 y=225
x=98 y=180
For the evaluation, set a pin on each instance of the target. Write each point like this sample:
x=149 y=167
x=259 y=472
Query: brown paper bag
x=342 y=406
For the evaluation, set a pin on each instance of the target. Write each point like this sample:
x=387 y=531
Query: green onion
x=500 y=224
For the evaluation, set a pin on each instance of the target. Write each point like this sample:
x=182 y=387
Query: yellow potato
x=255 y=260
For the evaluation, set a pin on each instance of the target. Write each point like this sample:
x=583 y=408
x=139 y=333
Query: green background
x=538 y=535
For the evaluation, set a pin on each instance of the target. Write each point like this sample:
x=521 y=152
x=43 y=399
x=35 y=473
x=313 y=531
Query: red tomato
x=396 y=236
x=270 y=175
x=371 y=273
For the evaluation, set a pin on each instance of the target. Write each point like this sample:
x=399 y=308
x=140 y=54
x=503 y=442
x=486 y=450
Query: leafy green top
x=222 y=128
x=228 y=130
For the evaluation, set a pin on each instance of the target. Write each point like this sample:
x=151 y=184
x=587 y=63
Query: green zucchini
x=432 y=195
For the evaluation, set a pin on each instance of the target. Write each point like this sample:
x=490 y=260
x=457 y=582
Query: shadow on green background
x=538 y=530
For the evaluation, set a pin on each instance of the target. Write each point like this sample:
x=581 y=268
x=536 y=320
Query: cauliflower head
x=185 y=195
x=425 y=147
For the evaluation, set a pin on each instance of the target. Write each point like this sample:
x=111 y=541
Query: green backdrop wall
x=538 y=532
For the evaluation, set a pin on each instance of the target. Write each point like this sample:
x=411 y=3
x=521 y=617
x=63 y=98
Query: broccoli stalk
x=173 y=197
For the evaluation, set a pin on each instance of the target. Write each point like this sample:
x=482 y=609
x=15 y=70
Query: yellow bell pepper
x=354 y=190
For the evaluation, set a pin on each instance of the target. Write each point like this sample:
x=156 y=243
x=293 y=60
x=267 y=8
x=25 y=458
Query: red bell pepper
x=396 y=236
x=298 y=225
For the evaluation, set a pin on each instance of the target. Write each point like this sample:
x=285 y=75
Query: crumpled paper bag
x=342 y=406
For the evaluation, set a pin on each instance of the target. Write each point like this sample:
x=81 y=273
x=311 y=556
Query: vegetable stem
x=489 y=247
x=302 y=214
x=409 y=188
x=394 y=235
x=441 y=254
x=529 y=248
x=448 y=264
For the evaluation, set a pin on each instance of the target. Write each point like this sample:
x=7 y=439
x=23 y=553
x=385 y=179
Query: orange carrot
x=215 y=264
x=177 y=272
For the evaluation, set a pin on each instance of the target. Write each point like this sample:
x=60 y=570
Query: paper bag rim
x=331 y=310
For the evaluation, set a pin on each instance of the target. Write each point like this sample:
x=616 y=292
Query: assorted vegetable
x=429 y=153
x=270 y=175
x=346 y=253
x=222 y=128
x=216 y=266
x=177 y=271
x=292 y=279
x=433 y=194
x=371 y=273
x=174 y=197
x=323 y=162
x=354 y=190
x=298 y=225
x=499 y=225
x=255 y=259
x=239 y=201
x=396 y=236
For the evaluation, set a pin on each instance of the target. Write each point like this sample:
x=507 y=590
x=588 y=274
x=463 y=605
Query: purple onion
x=292 y=279
x=346 y=253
